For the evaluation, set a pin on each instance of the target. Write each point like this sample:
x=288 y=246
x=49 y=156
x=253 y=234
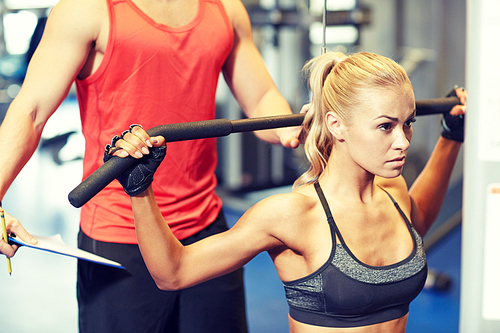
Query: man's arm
x=70 y=32
x=249 y=80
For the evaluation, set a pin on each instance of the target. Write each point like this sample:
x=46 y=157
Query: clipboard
x=55 y=244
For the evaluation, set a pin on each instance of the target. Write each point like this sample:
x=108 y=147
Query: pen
x=4 y=229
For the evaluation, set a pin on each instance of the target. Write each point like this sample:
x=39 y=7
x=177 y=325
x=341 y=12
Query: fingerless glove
x=138 y=177
x=453 y=126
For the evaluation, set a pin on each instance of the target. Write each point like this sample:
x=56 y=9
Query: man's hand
x=13 y=226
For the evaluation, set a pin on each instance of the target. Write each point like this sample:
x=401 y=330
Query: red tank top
x=152 y=74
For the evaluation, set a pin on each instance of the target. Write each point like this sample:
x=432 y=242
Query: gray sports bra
x=345 y=292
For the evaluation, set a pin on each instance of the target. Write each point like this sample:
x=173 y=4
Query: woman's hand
x=461 y=93
x=134 y=142
x=150 y=151
x=453 y=122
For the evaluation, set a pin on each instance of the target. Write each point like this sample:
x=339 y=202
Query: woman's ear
x=334 y=125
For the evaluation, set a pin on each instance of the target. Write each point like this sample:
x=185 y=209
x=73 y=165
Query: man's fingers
x=17 y=229
x=6 y=249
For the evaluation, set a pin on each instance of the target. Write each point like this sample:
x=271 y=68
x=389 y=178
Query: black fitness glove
x=453 y=126
x=138 y=177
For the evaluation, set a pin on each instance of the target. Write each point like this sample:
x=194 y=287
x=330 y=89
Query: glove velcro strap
x=137 y=178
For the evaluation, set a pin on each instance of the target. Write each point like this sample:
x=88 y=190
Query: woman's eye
x=385 y=127
x=409 y=122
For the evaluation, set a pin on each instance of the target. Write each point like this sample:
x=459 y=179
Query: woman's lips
x=398 y=162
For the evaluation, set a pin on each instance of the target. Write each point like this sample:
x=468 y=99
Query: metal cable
x=323 y=47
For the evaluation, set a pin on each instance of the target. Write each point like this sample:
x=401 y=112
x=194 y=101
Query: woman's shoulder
x=287 y=218
x=295 y=201
x=291 y=206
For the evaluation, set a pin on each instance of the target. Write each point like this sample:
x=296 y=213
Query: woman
x=346 y=242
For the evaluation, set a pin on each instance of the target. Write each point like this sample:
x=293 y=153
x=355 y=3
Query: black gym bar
x=93 y=184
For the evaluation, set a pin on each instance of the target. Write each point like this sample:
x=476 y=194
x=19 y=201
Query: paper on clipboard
x=55 y=244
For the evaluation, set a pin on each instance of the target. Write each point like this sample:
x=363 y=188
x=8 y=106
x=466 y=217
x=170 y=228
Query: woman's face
x=379 y=133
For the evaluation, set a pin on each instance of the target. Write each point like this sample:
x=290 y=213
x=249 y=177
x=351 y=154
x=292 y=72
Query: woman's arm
x=429 y=189
x=174 y=266
x=171 y=264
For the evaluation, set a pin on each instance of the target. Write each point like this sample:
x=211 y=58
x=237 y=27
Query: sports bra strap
x=397 y=207
x=329 y=215
x=323 y=202
x=331 y=221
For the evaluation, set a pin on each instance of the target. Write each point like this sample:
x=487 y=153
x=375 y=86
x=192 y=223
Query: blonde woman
x=346 y=242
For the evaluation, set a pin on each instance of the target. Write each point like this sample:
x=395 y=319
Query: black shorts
x=116 y=300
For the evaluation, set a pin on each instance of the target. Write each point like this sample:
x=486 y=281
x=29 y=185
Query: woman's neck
x=347 y=180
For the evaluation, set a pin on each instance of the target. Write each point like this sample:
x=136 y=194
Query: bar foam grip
x=104 y=175
x=436 y=105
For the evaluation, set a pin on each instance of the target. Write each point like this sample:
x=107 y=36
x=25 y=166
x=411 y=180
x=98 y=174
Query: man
x=149 y=62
